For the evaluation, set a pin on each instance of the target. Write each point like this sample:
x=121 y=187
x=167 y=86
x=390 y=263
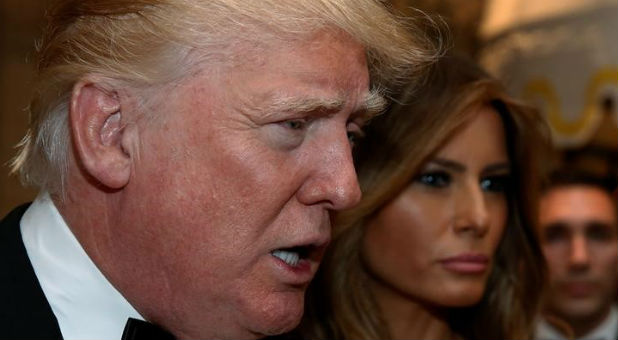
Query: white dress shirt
x=86 y=305
x=607 y=330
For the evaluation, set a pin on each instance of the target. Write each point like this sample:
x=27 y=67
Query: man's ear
x=96 y=120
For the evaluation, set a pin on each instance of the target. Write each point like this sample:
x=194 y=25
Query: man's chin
x=576 y=309
x=280 y=317
x=281 y=328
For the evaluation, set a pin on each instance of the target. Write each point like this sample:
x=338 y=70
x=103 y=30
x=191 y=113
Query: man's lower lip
x=299 y=274
x=578 y=289
x=465 y=267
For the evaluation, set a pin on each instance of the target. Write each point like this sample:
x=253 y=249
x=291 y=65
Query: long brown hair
x=339 y=302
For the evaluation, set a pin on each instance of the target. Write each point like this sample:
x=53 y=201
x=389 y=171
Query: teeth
x=289 y=257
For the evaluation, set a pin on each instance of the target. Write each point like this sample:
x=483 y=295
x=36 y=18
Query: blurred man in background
x=579 y=236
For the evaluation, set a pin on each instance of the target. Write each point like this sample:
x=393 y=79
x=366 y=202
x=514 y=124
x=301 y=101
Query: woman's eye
x=499 y=183
x=434 y=179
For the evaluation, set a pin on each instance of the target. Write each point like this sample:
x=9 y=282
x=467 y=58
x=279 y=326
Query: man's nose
x=579 y=256
x=471 y=214
x=332 y=179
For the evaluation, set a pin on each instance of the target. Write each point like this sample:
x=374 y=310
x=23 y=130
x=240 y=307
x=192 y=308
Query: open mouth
x=292 y=256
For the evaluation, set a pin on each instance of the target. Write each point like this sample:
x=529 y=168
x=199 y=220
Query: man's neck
x=584 y=325
x=85 y=303
x=100 y=220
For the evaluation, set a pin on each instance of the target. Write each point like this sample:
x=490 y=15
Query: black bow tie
x=142 y=330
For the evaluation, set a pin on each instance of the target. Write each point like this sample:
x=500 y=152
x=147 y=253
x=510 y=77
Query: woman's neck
x=407 y=318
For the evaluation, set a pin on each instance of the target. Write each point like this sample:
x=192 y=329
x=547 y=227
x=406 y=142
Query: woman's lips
x=466 y=263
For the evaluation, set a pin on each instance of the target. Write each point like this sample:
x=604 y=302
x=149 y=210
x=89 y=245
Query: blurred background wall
x=20 y=24
x=560 y=55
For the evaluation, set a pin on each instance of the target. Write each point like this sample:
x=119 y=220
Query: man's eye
x=497 y=184
x=355 y=133
x=437 y=179
x=297 y=124
x=556 y=233
x=289 y=133
x=598 y=231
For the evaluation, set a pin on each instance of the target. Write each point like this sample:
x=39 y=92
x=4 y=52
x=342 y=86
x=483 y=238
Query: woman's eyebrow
x=450 y=164
x=459 y=167
x=496 y=167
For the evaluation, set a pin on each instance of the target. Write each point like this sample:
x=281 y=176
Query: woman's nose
x=471 y=212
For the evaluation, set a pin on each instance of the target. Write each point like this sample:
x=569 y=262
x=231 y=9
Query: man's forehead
x=578 y=204
x=583 y=196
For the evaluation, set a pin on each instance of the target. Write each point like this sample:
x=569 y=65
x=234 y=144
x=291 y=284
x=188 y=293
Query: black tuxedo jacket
x=24 y=310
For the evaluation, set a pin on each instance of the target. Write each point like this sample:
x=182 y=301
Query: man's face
x=234 y=184
x=579 y=239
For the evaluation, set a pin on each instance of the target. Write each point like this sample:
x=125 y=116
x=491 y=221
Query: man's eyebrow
x=305 y=104
x=555 y=228
x=599 y=224
x=557 y=225
x=372 y=105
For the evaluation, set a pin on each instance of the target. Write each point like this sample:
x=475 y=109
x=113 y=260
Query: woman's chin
x=464 y=296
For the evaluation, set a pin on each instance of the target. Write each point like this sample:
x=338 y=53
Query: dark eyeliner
x=496 y=183
x=434 y=179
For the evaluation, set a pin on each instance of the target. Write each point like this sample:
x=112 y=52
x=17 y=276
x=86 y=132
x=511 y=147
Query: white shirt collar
x=545 y=331
x=86 y=305
x=607 y=330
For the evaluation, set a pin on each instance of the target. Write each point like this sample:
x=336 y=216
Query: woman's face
x=435 y=241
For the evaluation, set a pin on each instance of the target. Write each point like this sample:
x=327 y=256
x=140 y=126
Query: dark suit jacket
x=24 y=310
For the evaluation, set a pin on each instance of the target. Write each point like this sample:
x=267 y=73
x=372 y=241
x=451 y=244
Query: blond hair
x=143 y=43
x=340 y=304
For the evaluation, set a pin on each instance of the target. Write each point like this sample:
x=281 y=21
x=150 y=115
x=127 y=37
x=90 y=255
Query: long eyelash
x=503 y=181
x=441 y=178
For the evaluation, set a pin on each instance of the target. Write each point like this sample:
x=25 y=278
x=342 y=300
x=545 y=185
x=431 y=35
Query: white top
x=86 y=305
x=607 y=330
